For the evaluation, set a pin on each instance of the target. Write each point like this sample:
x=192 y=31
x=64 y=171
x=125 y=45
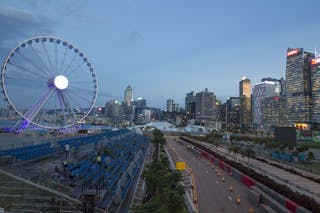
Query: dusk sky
x=165 y=49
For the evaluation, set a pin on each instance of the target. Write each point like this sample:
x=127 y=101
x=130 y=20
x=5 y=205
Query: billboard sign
x=293 y=52
x=315 y=61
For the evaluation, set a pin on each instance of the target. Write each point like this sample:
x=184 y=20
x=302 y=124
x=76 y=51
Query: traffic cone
x=222 y=179
x=231 y=188
x=238 y=199
x=230 y=173
x=250 y=210
x=216 y=170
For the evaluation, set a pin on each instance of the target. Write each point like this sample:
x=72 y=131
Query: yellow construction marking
x=181 y=165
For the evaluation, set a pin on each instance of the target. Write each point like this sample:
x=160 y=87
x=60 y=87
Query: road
x=295 y=182
x=213 y=194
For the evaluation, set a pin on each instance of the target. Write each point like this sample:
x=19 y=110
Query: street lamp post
x=226 y=116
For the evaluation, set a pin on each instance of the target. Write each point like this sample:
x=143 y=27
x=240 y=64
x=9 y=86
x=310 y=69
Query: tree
x=299 y=149
x=310 y=156
x=158 y=140
x=235 y=150
x=250 y=153
x=158 y=137
x=215 y=144
x=302 y=148
x=282 y=147
x=164 y=189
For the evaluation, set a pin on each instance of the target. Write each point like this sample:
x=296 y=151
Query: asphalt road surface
x=295 y=182
x=213 y=193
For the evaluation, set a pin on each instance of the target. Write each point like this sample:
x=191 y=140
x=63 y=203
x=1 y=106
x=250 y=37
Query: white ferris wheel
x=49 y=82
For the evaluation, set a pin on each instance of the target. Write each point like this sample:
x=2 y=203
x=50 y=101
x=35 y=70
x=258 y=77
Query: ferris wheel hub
x=61 y=82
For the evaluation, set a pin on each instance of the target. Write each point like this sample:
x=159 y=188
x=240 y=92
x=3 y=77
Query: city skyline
x=152 y=45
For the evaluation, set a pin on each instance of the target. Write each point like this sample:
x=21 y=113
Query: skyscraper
x=274 y=112
x=113 y=109
x=298 y=86
x=229 y=113
x=170 y=105
x=245 y=103
x=205 y=106
x=141 y=103
x=280 y=85
x=128 y=95
x=259 y=92
x=315 y=85
x=190 y=105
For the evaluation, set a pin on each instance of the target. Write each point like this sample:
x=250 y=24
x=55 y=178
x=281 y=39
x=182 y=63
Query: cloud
x=75 y=10
x=18 y=24
x=135 y=36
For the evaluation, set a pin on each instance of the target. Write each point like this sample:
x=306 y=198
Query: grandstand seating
x=122 y=156
x=44 y=149
x=30 y=152
x=119 y=167
x=116 y=173
x=76 y=142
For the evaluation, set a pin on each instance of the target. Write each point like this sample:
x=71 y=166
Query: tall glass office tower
x=298 y=86
x=315 y=85
x=245 y=103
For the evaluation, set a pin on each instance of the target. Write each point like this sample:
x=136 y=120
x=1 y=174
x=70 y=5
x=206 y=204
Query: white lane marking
x=217 y=182
x=230 y=198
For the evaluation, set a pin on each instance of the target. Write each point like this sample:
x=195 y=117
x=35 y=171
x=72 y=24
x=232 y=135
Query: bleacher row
x=116 y=172
x=30 y=152
x=122 y=188
x=37 y=151
x=76 y=142
x=125 y=175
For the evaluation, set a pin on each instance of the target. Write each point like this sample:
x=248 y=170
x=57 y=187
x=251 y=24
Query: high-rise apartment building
x=298 y=86
x=245 y=103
